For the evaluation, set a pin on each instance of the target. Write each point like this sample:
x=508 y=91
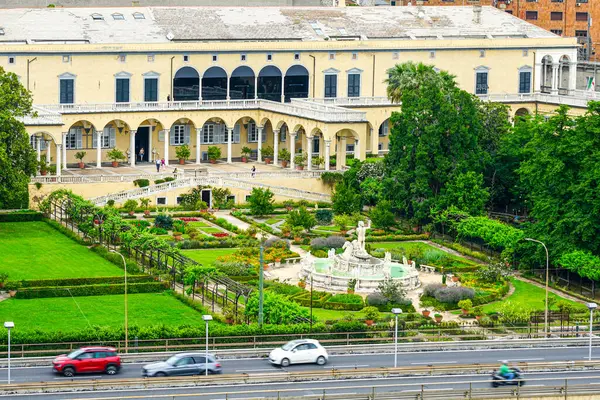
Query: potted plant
x=318 y=161
x=43 y=166
x=130 y=206
x=79 y=156
x=284 y=156
x=289 y=205
x=252 y=231
x=371 y=314
x=146 y=204
x=478 y=311
x=229 y=314
x=351 y=286
x=115 y=155
x=455 y=278
x=465 y=306
x=297 y=233
x=302 y=283
x=285 y=230
x=332 y=162
x=177 y=235
x=214 y=153
x=426 y=313
x=300 y=159
x=438 y=318
x=246 y=151
x=267 y=153
x=183 y=153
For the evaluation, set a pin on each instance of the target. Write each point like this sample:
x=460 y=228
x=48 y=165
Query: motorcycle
x=499 y=380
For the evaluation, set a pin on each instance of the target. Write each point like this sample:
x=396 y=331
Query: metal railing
x=48 y=179
x=355 y=101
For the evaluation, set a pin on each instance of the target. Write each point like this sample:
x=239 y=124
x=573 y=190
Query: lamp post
x=207 y=319
x=261 y=279
x=396 y=312
x=9 y=325
x=591 y=307
x=126 y=323
x=547 y=277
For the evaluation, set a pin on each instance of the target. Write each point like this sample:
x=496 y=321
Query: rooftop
x=209 y=24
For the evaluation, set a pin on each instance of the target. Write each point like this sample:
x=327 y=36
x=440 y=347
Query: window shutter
x=79 y=138
x=186 y=135
x=63 y=91
x=126 y=90
x=172 y=136
x=113 y=137
x=236 y=134
x=264 y=135
x=94 y=139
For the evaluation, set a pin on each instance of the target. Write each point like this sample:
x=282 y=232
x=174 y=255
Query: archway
x=383 y=140
x=564 y=75
x=269 y=83
x=186 y=85
x=147 y=138
x=214 y=84
x=521 y=114
x=296 y=83
x=547 y=76
x=242 y=83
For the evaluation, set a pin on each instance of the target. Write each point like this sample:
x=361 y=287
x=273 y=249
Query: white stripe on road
x=526 y=359
x=435 y=362
x=259 y=369
x=81 y=377
x=347 y=366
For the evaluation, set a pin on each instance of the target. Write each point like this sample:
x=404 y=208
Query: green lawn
x=62 y=313
x=526 y=296
x=211 y=230
x=34 y=250
x=430 y=254
x=198 y=224
x=328 y=228
x=400 y=245
x=323 y=314
x=272 y=221
x=207 y=256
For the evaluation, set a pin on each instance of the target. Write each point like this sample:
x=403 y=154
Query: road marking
x=259 y=369
x=526 y=359
x=347 y=366
x=435 y=362
x=81 y=377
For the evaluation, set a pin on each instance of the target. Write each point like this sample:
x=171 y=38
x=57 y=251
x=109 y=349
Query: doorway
x=206 y=196
x=142 y=141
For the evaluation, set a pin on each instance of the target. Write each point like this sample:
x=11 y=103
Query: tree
x=371 y=190
x=345 y=199
x=277 y=309
x=391 y=290
x=220 y=196
x=261 y=202
x=382 y=216
x=466 y=193
x=301 y=217
x=193 y=200
x=17 y=158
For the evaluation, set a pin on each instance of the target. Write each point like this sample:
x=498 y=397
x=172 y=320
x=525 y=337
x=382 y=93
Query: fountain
x=335 y=272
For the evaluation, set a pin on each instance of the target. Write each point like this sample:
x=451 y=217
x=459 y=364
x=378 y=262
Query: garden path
x=231 y=219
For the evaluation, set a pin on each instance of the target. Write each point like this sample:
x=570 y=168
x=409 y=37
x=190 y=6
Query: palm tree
x=409 y=76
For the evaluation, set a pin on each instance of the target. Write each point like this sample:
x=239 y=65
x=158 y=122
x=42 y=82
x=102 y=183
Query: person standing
x=163 y=164
x=157 y=165
x=141 y=154
x=253 y=171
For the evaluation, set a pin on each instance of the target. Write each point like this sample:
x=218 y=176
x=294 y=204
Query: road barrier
x=284 y=377
x=332 y=350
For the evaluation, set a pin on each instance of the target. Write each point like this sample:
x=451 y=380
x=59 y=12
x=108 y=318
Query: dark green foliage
x=21 y=216
x=331 y=178
x=261 y=202
x=141 y=182
x=345 y=199
x=350 y=302
x=90 y=290
x=324 y=217
x=318 y=298
x=277 y=309
x=163 y=221
x=301 y=217
x=38 y=283
x=381 y=215
x=235 y=268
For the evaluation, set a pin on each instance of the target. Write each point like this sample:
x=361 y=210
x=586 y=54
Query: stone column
x=275 y=146
x=229 y=140
x=309 y=152
x=282 y=89
x=166 y=149
x=537 y=85
x=327 y=145
x=572 y=76
x=48 y=153
x=198 y=152
x=150 y=145
x=374 y=140
x=38 y=142
x=292 y=148
x=341 y=153
x=554 y=79
x=58 y=157
x=99 y=149
x=358 y=150
x=64 y=150
x=255 y=87
x=132 y=147
x=228 y=84
x=259 y=131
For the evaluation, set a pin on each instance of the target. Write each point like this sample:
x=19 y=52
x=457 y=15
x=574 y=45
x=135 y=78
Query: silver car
x=184 y=364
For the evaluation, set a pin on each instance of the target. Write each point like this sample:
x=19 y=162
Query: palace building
x=311 y=80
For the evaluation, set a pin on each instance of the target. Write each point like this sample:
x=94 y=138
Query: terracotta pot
x=181 y=161
x=438 y=319
x=81 y=165
x=177 y=238
x=297 y=239
x=213 y=161
x=12 y=293
x=465 y=312
x=267 y=161
x=349 y=291
x=369 y=322
x=426 y=313
x=455 y=279
x=115 y=164
x=146 y=212
x=284 y=164
x=478 y=317
x=278 y=260
x=343 y=232
x=229 y=321
x=131 y=213
x=244 y=159
x=300 y=167
x=43 y=173
x=301 y=285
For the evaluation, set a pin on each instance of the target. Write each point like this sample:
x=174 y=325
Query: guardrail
x=284 y=377
x=262 y=349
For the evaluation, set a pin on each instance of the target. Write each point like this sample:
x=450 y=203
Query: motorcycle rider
x=505 y=371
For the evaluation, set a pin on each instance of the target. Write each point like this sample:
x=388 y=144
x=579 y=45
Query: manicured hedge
x=90 y=290
x=21 y=216
x=319 y=298
x=395 y=238
x=39 y=283
x=348 y=302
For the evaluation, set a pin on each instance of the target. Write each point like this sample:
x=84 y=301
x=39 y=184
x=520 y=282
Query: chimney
x=477 y=14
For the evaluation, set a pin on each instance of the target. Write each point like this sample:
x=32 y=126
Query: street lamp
x=591 y=307
x=547 y=278
x=207 y=319
x=9 y=325
x=126 y=323
x=261 y=278
x=396 y=312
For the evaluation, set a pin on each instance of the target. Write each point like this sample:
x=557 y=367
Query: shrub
x=301 y=217
x=276 y=309
x=465 y=304
x=376 y=299
x=261 y=201
x=454 y=294
x=335 y=242
x=21 y=216
x=159 y=181
x=169 y=179
x=429 y=290
x=324 y=217
x=214 y=153
x=320 y=254
x=141 y=182
x=331 y=178
x=351 y=302
x=140 y=224
x=318 y=244
x=232 y=268
x=43 y=283
x=90 y=290
x=371 y=313
x=183 y=152
x=163 y=221
x=286 y=289
x=130 y=205
x=158 y=231
x=318 y=298
x=277 y=243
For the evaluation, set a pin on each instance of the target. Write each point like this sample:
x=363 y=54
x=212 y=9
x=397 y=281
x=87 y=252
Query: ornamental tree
x=261 y=201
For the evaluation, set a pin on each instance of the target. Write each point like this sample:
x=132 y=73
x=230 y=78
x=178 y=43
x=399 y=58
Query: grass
x=323 y=314
x=400 y=245
x=208 y=256
x=211 y=230
x=198 y=224
x=330 y=228
x=272 y=221
x=525 y=296
x=34 y=250
x=431 y=253
x=63 y=314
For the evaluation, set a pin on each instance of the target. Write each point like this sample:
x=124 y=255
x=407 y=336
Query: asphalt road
x=258 y=365
x=307 y=390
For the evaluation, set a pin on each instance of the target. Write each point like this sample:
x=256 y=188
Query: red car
x=88 y=359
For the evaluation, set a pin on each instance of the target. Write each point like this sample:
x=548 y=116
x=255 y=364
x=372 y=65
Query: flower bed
x=220 y=234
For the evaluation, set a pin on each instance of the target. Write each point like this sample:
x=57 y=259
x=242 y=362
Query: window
x=332 y=56
x=509 y=12
x=108 y=138
x=556 y=16
x=580 y=33
x=525 y=81
x=581 y=16
x=186 y=58
x=355 y=56
x=432 y=54
x=525 y=53
x=73 y=139
x=558 y=32
x=395 y=55
x=350 y=148
x=315 y=145
x=151 y=89
x=85 y=356
x=353 y=85
x=200 y=359
x=122 y=95
x=269 y=57
x=481 y=82
x=252 y=133
x=118 y=17
x=138 y=15
x=178 y=135
x=384 y=129
x=531 y=15
x=297 y=56
x=331 y=85
x=393 y=3
x=208 y=134
x=12 y=60
x=215 y=58
x=481 y=53
x=67 y=91
x=178 y=200
x=161 y=201
x=243 y=57
x=97 y=17
x=150 y=57
x=122 y=58
x=66 y=59
x=283 y=133
x=33 y=140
